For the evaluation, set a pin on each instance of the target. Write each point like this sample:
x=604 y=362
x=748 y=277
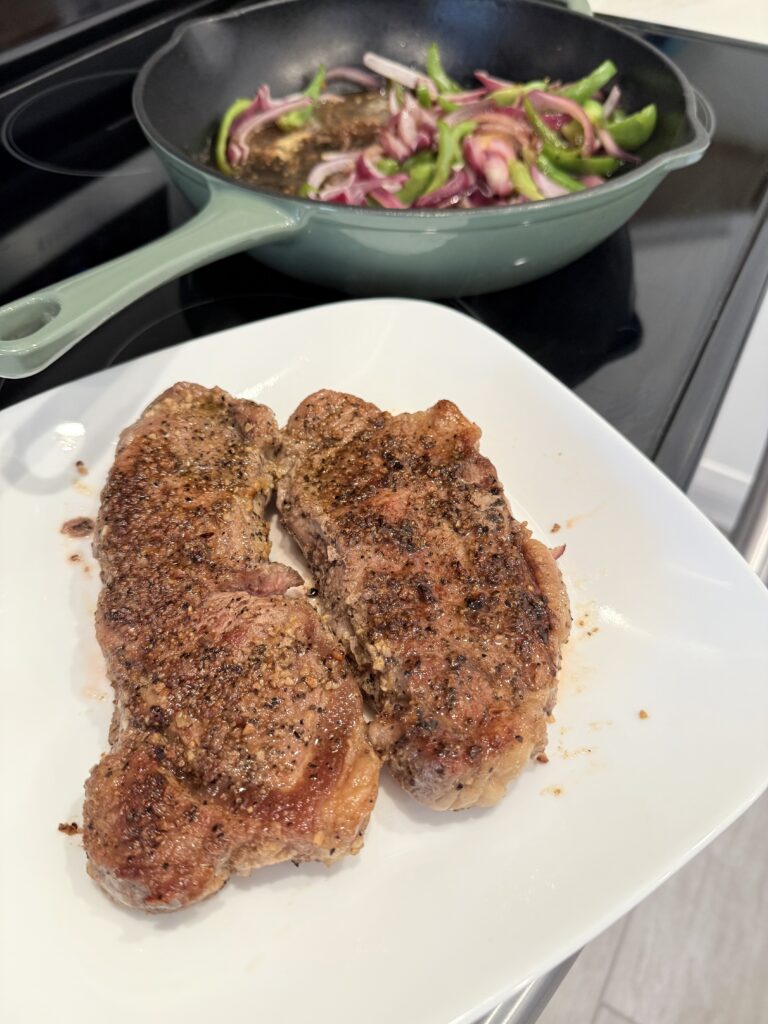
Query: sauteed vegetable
x=409 y=138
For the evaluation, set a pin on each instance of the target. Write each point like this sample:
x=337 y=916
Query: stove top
x=646 y=328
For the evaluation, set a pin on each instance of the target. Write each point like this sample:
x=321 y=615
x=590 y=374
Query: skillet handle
x=579 y=7
x=36 y=330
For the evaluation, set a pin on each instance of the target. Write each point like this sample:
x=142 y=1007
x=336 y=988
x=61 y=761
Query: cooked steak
x=237 y=738
x=454 y=612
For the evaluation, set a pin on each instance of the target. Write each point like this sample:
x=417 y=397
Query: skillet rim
x=695 y=148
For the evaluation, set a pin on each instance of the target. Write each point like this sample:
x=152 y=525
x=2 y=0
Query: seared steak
x=237 y=738
x=454 y=612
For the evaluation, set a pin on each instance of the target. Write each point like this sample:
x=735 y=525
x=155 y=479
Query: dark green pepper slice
x=573 y=161
x=298 y=118
x=420 y=175
x=422 y=95
x=387 y=166
x=511 y=94
x=448 y=150
x=542 y=129
x=221 y=139
x=522 y=180
x=587 y=87
x=560 y=177
x=436 y=72
x=634 y=131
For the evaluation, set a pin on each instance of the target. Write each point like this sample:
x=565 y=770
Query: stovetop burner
x=646 y=328
x=45 y=131
x=204 y=316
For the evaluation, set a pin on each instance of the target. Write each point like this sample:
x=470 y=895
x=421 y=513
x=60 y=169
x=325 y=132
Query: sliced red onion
x=592 y=180
x=387 y=200
x=549 y=101
x=365 y=168
x=612 y=148
x=469 y=96
x=491 y=83
x=392 y=103
x=394 y=146
x=331 y=192
x=501 y=147
x=461 y=184
x=515 y=124
x=555 y=121
x=357 y=76
x=396 y=72
x=408 y=129
x=426 y=118
x=497 y=175
x=327 y=168
x=481 y=145
x=256 y=117
x=353 y=193
x=474 y=154
x=548 y=188
x=469 y=112
x=520 y=131
x=425 y=139
x=612 y=102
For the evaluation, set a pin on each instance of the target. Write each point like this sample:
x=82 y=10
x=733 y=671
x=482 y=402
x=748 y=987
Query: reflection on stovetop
x=623 y=326
x=574 y=320
x=45 y=130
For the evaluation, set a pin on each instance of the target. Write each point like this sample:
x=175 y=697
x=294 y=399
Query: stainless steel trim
x=528 y=1003
x=750 y=534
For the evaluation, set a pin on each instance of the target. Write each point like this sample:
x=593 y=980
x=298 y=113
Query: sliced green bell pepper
x=298 y=118
x=574 y=133
x=542 y=129
x=422 y=95
x=594 y=112
x=387 y=165
x=426 y=156
x=448 y=151
x=587 y=87
x=420 y=175
x=221 y=139
x=572 y=160
x=437 y=73
x=447 y=106
x=509 y=96
x=634 y=131
x=522 y=180
x=560 y=177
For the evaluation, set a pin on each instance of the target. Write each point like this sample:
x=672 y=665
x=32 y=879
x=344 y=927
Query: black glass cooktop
x=646 y=328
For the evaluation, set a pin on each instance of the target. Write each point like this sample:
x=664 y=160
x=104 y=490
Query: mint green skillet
x=183 y=89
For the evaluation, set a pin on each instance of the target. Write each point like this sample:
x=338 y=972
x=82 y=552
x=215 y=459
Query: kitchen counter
x=736 y=19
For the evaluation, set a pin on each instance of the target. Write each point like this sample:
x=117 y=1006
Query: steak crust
x=237 y=738
x=455 y=613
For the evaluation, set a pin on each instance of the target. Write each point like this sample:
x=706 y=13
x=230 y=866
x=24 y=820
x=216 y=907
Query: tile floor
x=695 y=952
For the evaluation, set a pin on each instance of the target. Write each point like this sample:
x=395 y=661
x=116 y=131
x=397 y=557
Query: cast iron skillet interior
x=183 y=92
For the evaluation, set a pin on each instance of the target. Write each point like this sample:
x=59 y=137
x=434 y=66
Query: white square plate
x=440 y=915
